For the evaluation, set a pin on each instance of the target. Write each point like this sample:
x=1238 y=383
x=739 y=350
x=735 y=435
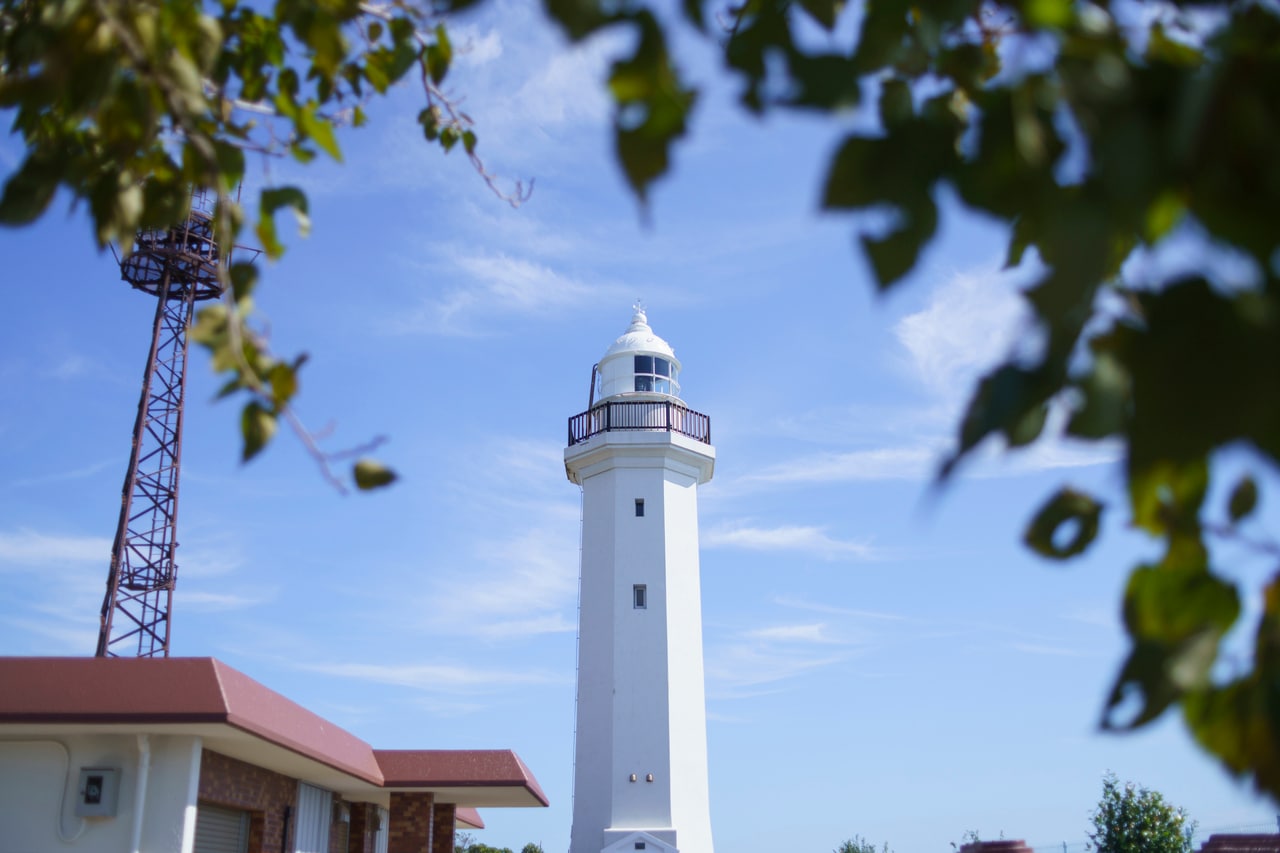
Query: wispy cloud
x=494 y=285
x=522 y=586
x=72 y=366
x=805 y=539
x=760 y=659
x=743 y=669
x=433 y=677
x=1052 y=651
x=814 y=632
x=823 y=607
x=888 y=463
x=80 y=473
x=218 y=601
x=30 y=547
x=969 y=322
x=60 y=636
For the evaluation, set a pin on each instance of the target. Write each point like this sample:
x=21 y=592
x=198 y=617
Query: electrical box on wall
x=97 y=792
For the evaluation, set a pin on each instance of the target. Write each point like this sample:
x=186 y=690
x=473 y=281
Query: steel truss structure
x=178 y=266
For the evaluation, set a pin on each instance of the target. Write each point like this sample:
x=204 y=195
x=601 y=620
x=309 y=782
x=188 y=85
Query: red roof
x=169 y=692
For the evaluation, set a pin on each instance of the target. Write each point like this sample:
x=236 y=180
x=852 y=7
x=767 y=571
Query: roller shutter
x=220 y=830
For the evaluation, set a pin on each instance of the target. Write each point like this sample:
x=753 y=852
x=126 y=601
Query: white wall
x=641 y=703
x=39 y=778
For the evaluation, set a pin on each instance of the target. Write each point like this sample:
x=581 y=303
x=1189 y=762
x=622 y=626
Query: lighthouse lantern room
x=639 y=455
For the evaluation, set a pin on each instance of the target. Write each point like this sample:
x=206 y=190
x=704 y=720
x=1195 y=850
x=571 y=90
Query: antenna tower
x=179 y=267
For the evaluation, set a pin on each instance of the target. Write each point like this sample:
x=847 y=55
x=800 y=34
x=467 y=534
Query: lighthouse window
x=655 y=374
x=639 y=596
x=639 y=507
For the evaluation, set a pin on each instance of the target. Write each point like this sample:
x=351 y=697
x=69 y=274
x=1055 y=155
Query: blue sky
x=883 y=658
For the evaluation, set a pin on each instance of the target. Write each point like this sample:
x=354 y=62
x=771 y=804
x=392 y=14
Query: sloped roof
x=238 y=716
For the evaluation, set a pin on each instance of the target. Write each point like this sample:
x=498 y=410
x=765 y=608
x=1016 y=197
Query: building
x=639 y=454
x=175 y=755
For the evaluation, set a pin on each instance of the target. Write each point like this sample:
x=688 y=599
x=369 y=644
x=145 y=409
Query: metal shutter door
x=315 y=813
x=220 y=830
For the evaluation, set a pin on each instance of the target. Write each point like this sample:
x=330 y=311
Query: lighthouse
x=640 y=756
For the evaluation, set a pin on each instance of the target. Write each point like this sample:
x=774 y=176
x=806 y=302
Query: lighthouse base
x=630 y=840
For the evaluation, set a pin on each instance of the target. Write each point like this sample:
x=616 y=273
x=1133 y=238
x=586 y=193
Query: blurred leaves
x=1089 y=140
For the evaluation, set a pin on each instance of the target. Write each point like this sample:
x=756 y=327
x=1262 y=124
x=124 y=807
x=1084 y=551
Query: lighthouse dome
x=639 y=364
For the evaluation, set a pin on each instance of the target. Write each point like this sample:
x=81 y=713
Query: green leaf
x=1066 y=509
x=1244 y=499
x=1049 y=13
x=371 y=474
x=1176 y=612
x=274 y=198
x=1167 y=495
x=1105 y=396
x=28 y=191
x=1161 y=48
x=257 y=426
x=439 y=55
x=825 y=12
x=318 y=128
x=244 y=278
x=284 y=384
x=652 y=106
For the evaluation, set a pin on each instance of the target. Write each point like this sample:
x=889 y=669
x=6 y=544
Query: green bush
x=1132 y=819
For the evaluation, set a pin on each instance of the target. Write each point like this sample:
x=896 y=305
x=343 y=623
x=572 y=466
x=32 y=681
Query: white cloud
x=888 y=463
x=61 y=635
x=815 y=632
x=970 y=321
x=29 y=547
x=523 y=586
x=1052 y=651
x=217 y=601
x=475 y=48
x=569 y=88
x=496 y=285
x=733 y=668
x=70 y=367
x=822 y=607
x=72 y=474
x=443 y=677
x=808 y=539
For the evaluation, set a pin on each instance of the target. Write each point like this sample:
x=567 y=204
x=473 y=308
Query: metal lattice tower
x=179 y=267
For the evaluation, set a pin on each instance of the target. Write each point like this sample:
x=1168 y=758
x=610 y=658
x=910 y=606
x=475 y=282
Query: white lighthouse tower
x=639 y=454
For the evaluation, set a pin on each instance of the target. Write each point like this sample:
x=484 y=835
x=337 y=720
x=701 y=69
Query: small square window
x=640 y=845
x=639 y=507
x=639 y=596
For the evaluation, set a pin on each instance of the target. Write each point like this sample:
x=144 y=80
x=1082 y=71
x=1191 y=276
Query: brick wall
x=412 y=816
x=442 y=828
x=265 y=795
x=340 y=830
x=363 y=821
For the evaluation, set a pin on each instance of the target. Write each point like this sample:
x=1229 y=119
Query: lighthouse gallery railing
x=640 y=415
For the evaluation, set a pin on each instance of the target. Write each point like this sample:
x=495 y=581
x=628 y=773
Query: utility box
x=97 y=794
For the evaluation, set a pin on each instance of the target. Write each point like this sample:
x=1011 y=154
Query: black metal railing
x=640 y=415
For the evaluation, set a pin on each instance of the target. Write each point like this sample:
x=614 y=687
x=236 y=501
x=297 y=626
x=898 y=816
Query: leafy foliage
x=465 y=842
x=858 y=844
x=1130 y=819
x=1120 y=133
x=128 y=106
x=1120 y=138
